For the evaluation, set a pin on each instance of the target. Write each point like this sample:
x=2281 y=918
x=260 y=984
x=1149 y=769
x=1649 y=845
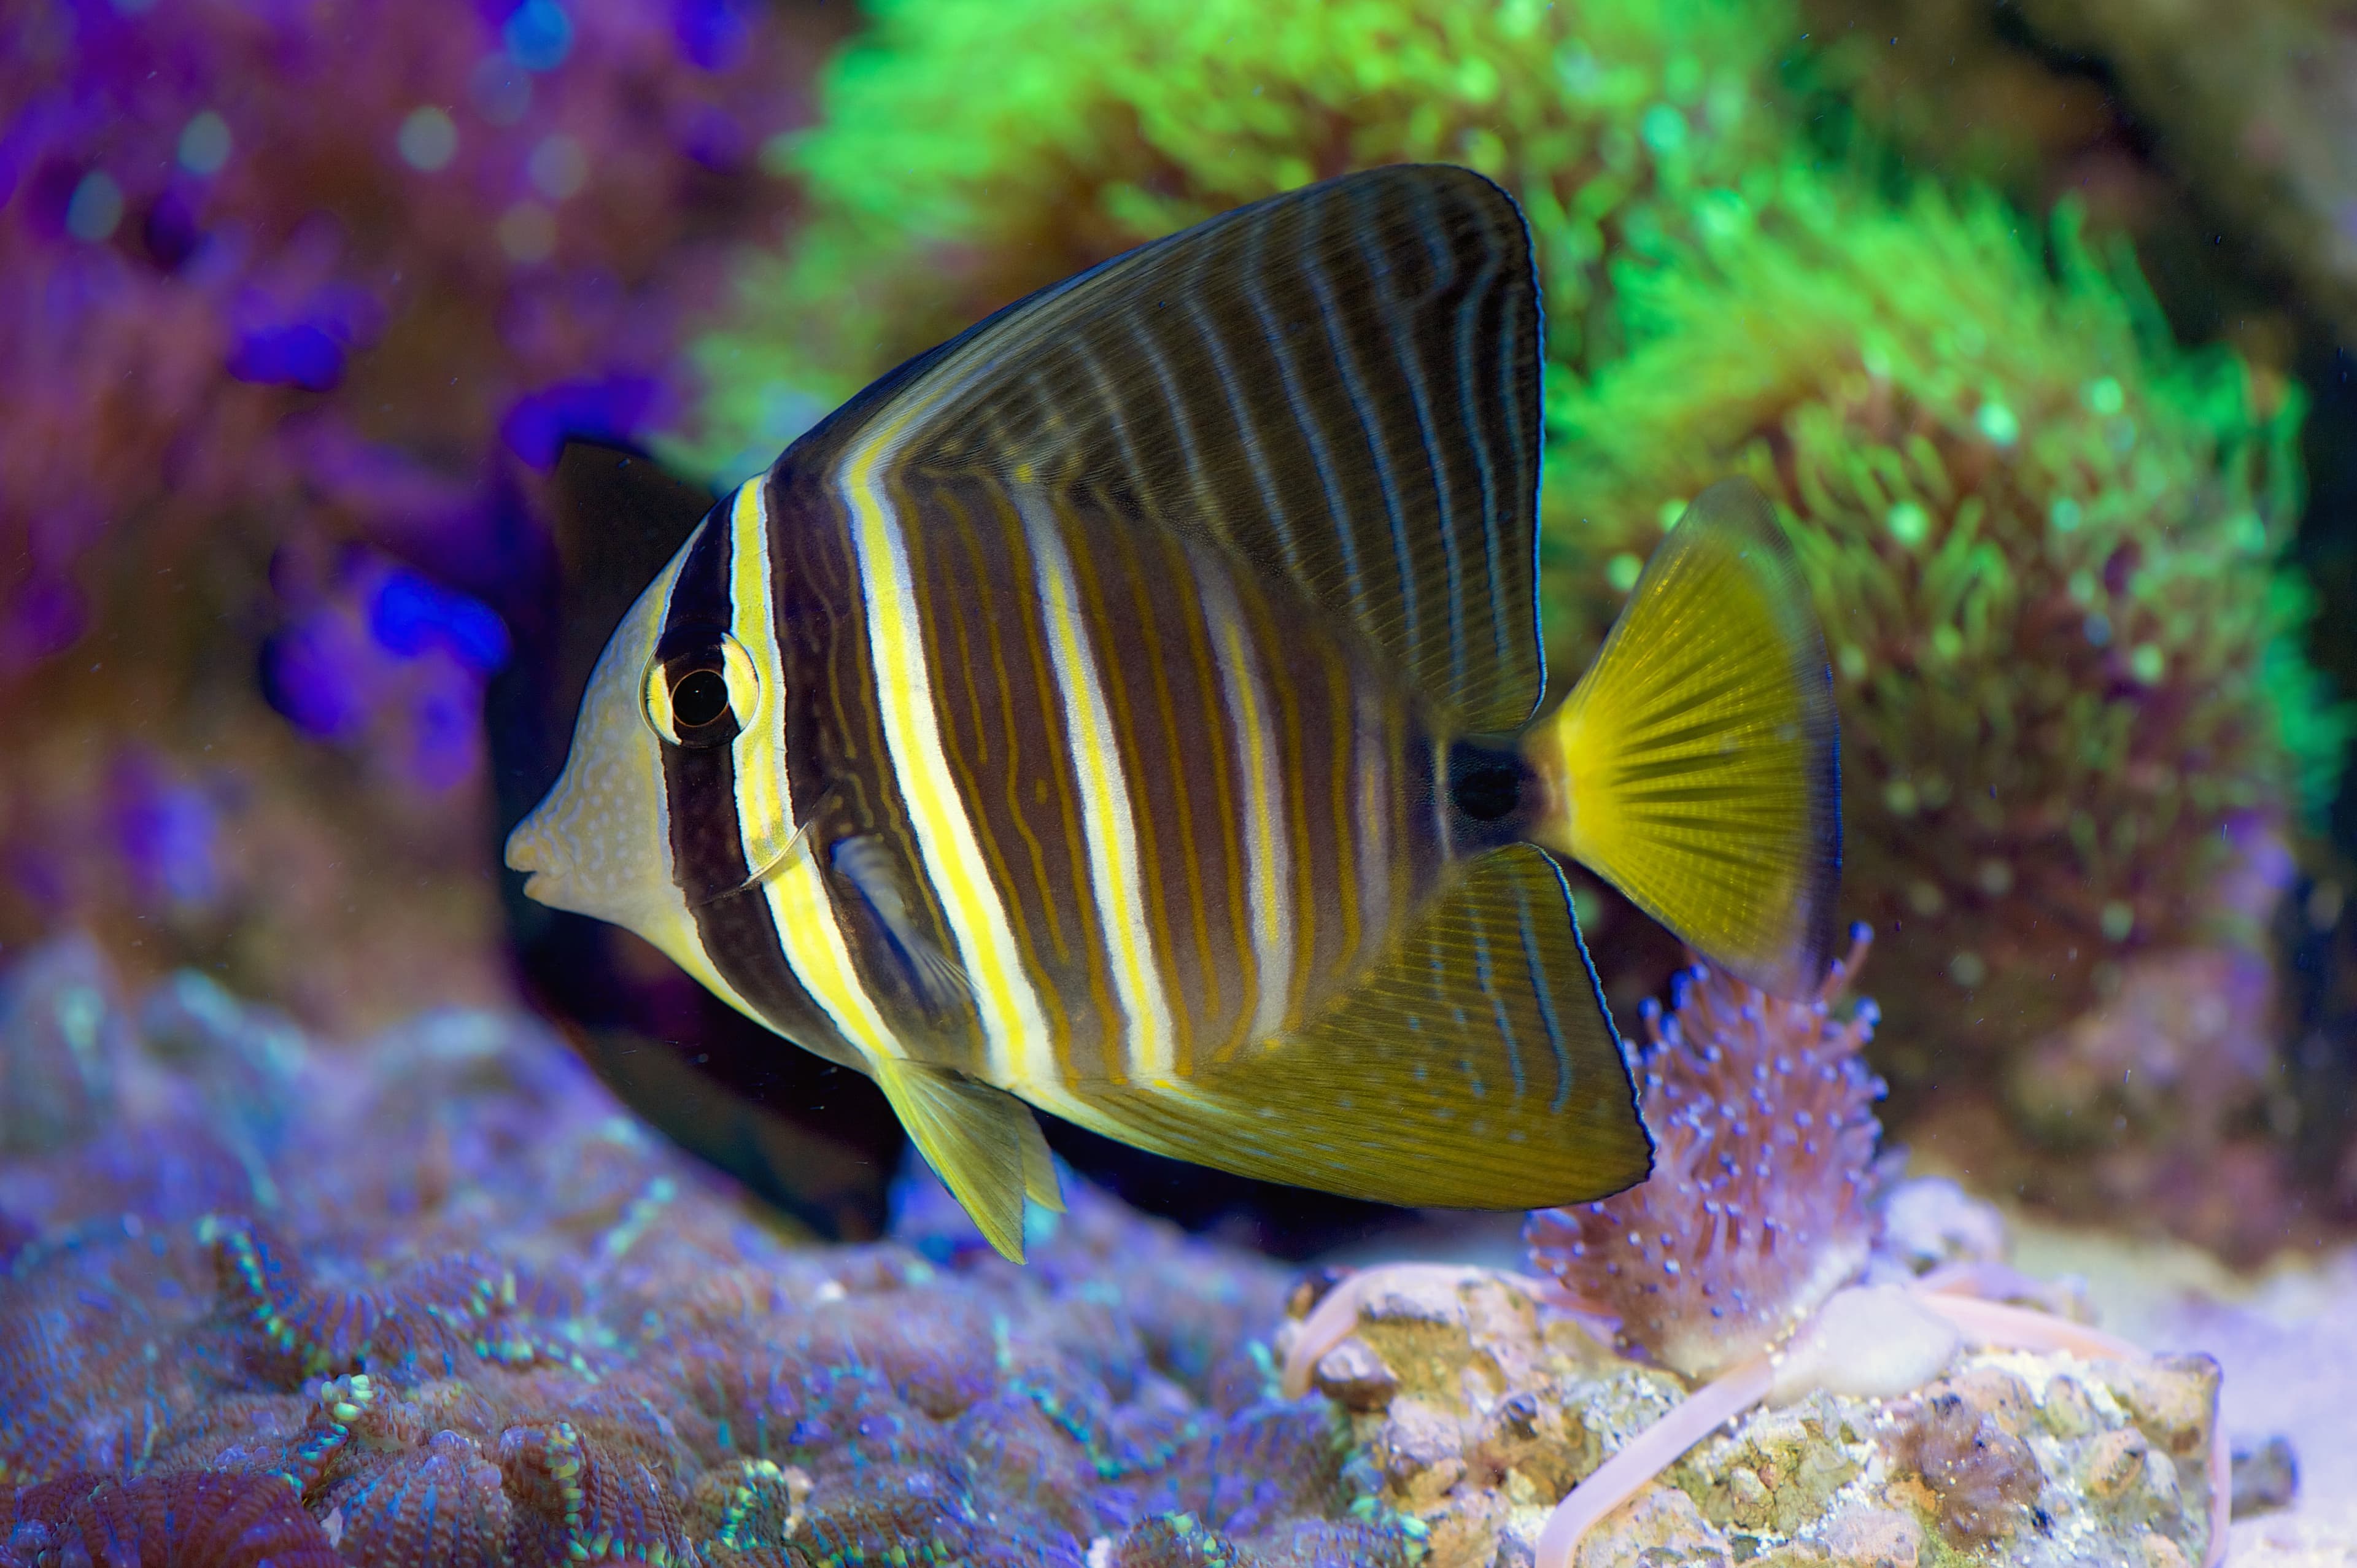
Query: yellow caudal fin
x=1696 y=764
x=982 y=1142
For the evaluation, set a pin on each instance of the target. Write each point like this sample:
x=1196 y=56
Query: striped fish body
x=1126 y=707
x=1189 y=812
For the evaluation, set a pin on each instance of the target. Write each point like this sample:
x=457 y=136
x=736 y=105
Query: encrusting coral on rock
x=433 y=1299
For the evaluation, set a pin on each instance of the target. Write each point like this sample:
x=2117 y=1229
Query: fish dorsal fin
x=1474 y=1068
x=1339 y=385
x=982 y=1143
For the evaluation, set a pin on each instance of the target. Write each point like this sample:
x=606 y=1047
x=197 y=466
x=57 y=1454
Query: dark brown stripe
x=735 y=928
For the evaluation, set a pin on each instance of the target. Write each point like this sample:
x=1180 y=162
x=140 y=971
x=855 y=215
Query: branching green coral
x=963 y=160
x=2044 y=543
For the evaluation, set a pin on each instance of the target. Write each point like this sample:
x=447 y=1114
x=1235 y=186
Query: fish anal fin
x=1039 y=1183
x=982 y=1142
x=1695 y=766
x=1474 y=1068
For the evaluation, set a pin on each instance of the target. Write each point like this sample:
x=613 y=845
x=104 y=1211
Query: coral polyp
x=1763 y=1146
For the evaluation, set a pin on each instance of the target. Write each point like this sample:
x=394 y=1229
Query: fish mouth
x=529 y=852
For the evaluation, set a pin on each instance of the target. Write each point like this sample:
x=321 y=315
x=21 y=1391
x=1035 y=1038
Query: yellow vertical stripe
x=1268 y=860
x=1015 y=1037
x=814 y=942
x=1109 y=817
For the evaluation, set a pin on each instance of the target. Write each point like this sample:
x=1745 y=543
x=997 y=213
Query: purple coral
x=184 y=1520
x=446 y=1303
x=1756 y=1211
x=294 y=278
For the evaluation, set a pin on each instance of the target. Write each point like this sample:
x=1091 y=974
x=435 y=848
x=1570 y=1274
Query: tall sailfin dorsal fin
x=1474 y=1068
x=1339 y=385
x=982 y=1143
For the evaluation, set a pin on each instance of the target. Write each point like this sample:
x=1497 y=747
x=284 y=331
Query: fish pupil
x=700 y=697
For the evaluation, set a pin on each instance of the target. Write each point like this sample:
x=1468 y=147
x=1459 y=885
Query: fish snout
x=534 y=850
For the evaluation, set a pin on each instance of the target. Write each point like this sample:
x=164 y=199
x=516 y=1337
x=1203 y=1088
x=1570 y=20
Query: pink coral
x=1764 y=1147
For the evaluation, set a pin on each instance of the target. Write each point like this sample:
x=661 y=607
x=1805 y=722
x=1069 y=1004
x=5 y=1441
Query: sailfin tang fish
x=1127 y=708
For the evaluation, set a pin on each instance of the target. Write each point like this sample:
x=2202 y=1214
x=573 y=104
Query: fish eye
x=702 y=689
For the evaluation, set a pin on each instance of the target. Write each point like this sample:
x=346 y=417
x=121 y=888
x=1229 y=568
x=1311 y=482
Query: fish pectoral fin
x=773 y=864
x=1475 y=1067
x=982 y=1142
x=934 y=979
x=1698 y=759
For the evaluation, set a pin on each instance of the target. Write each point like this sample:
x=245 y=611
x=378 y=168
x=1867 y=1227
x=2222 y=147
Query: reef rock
x=1499 y=1404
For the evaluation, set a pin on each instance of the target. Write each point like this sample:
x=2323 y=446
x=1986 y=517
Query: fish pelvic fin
x=1475 y=1066
x=1696 y=764
x=982 y=1143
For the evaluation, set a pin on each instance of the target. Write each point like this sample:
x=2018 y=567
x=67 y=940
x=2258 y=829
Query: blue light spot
x=205 y=144
x=410 y=615
x=428 y=140
x=300 y=355
x=310 y=672
x=538 y=34
x=95 y=208
x=711 y=34
x=609 y=408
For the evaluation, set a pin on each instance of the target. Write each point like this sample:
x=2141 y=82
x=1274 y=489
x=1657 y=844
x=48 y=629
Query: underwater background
x=353 y=1209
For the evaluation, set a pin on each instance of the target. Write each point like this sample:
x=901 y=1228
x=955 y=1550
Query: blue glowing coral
x=439 y=1300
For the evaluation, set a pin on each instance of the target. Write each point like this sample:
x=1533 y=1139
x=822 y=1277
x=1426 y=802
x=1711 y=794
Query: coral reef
x=2044 y=543
x=431 y=1299
x=1763 y=1146
x=963 y=163
x=200 y=1521
x=299 y=301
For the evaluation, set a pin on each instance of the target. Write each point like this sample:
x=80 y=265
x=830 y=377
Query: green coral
x=2045 y=545
x=962 y=161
